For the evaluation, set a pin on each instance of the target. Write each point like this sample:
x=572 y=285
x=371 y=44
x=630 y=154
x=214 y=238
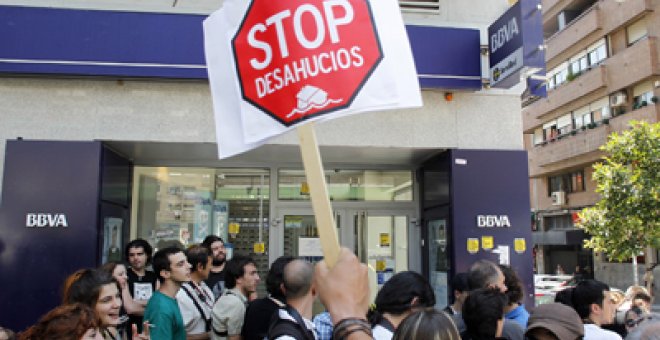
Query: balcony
x=621 y=13
x=583 y=147
x=569 y=151
x=586 y=83
x=551 y=9
x=579 y=30
x=635 y=63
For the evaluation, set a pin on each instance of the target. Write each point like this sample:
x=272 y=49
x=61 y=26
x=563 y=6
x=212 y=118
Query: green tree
x=626 y=220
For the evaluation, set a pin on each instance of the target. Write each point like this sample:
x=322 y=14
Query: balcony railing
x=621 y=13
x=581 y=146
x=578 y=30
x=584 y=84
x=635 y=63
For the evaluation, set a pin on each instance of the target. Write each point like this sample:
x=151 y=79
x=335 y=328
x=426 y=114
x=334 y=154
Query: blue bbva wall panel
x=492 y=183
x=132 y=44
x=49 y=178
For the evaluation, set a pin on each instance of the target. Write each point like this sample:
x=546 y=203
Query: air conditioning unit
x=558 y=198
x=618 y=99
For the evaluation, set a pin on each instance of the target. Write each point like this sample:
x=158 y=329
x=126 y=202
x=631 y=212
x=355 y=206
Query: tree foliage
x=627 y=218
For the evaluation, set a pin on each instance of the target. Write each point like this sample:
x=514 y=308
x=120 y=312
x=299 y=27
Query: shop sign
x=515 y=43
x=490 y=221
x=41 y=220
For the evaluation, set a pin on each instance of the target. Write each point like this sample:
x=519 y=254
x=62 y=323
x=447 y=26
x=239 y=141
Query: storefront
x=95 y=154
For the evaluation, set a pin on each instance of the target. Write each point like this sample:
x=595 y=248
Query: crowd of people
x=197 y=293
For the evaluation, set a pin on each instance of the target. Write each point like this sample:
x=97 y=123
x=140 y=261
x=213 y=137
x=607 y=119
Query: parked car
x=546 y=286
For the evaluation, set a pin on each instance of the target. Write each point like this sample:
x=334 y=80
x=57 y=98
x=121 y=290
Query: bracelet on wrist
x=348 y=326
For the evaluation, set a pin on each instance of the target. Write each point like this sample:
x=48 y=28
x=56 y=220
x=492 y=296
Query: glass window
x=554 y=184
x=350 y=185
x=181 y=206
x=538 y=136
x=597 y=52
x=636 y=31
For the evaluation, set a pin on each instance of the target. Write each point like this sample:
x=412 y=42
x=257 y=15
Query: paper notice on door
x=309 y=246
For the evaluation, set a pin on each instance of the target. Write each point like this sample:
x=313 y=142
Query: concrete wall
x=135 y=110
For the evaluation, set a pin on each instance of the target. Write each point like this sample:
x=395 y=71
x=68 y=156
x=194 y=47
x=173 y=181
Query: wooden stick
x=325 y=222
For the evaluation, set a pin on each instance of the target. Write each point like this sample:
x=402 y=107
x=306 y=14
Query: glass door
x=381 y=240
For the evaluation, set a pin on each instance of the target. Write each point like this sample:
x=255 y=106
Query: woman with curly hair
x=67 y=322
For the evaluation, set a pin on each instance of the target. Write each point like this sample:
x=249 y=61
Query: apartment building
x=603 y=71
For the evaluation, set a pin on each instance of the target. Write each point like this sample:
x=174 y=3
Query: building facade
x=108 y=135
x=603 y=71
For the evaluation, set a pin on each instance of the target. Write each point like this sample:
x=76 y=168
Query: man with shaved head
x=294 y=320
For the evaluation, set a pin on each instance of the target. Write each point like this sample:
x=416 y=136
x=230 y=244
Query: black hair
x=586 y=293
x=197 y=255
x=482 y=310
x=460 y=282
x=84 y=286
x=274 y=278
x=514 y=288
x=397 y=294
x=482 y=273
x=235 y=269
x=140 y=243
x=162 y=260
x=210 y=239
x=565 y=296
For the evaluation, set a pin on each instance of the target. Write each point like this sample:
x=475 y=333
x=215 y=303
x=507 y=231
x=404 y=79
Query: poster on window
x=203 y=213
x=112 y=239
x=220 y=219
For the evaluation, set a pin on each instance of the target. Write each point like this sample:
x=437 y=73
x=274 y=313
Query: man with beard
x=216 y=280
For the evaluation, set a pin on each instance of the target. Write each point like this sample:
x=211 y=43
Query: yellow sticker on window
x=487 y=242
x=234 y=228
x=519 y=245
x=259 y=248
x=380 y=265
x=384 y=239
x=473 y=245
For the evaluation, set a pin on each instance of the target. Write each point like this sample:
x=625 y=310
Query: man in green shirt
x=162 y=312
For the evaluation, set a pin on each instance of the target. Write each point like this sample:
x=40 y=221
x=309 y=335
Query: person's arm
x=234 y=337
x=133 y=307
x=344 y=290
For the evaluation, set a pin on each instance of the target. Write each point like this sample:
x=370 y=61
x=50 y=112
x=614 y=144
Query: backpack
x=297 y=329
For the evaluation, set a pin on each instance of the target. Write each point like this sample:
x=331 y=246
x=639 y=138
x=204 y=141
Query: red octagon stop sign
x=298 y=59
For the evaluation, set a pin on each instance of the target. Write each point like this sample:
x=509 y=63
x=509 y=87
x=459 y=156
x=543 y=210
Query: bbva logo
x=490 y=221
x=41 y=220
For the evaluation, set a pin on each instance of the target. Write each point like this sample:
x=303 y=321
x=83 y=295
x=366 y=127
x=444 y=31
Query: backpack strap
x=207 y=321
x=283 y=327
x=297 y=329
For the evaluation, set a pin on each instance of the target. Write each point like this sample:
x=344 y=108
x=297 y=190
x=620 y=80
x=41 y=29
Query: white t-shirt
x=192 y=318
x=594 y=332
x=381 y=333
